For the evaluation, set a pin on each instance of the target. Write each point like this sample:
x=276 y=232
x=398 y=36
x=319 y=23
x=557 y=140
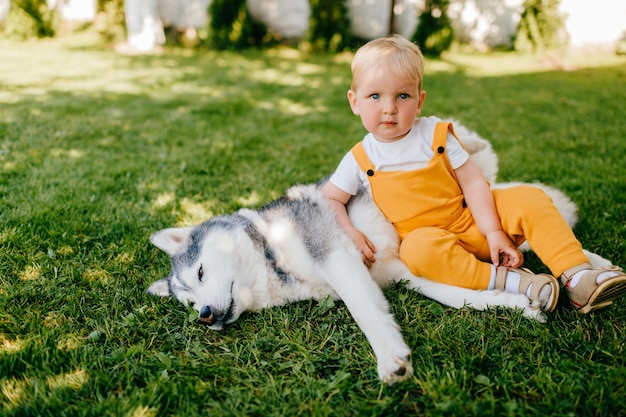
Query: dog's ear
x=171 y=240
x=160 y=288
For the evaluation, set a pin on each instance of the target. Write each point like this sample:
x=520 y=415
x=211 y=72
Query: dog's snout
x=211 y=316
x=206 y=315
x=206 y=312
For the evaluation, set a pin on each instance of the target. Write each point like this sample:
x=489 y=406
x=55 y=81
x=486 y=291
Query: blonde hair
x=402 y=57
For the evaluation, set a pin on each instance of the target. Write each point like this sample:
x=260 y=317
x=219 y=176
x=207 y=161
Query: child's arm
x=338 y=200
x=480 y=201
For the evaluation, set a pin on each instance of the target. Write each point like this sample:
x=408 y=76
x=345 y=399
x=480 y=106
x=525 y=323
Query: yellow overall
x=439 y=238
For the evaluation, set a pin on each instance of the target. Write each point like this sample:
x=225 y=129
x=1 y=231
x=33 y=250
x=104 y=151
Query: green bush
x=434 y=32
x=232 y=27
x=541 y=27
x=29 y=19
x=112 y=20
x=330 y=26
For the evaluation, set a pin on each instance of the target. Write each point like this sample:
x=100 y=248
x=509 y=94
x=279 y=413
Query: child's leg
x=439 y=255
x=528 y=213
x=436 y=254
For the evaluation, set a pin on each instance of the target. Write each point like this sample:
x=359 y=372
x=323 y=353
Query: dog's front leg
x=367 y=304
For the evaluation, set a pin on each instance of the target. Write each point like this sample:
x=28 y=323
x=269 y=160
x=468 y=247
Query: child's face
x=387 y=104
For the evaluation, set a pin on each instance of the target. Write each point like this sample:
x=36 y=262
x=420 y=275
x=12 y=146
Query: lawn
x=98 y=151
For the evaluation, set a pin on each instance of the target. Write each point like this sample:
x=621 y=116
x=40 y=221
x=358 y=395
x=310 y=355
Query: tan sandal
x=527 y=278
x=587 y=295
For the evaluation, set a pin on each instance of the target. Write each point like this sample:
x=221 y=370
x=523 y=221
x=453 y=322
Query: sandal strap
x=569 y=274
x=538 y=281
x=528 y=278
x=501 y=272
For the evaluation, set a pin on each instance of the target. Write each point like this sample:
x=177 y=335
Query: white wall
x=4 y=9
x=485 y=24
x=289 y=18
x=370 y=18
x=592 y=23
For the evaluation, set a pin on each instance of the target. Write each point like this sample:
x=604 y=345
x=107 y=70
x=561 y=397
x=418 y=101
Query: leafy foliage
x=112 y=21
x=29 y=18
x=231 y=26
x=541 y=28
x=235 y=29
x=330 y=26
x=434 y=32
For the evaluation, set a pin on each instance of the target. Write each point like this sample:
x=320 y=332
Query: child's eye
x=375 y=96
x=403 y=96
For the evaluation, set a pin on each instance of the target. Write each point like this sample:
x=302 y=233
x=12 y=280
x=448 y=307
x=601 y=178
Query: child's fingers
x=368 y=254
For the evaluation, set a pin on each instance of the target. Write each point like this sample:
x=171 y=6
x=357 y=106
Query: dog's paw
x=395 y=368
x=530 y=309
x=533 y=311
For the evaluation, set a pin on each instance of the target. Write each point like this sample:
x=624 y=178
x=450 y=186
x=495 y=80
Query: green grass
x=97 y=151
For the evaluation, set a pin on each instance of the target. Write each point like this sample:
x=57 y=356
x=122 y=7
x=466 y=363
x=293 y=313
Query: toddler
x=453 y=228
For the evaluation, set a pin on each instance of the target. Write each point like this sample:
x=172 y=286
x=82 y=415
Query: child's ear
x=352 y=101
x=422 y=95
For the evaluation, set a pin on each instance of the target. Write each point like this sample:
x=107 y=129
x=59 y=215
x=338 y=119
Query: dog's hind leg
x=458 y=297
x=369 y=308
x=596 y=260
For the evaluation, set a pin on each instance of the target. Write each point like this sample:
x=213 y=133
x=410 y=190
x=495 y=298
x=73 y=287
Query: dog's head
x=209 y=269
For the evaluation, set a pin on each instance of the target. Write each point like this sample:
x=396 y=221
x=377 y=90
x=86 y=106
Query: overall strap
x=441 y=135
x=361 y=157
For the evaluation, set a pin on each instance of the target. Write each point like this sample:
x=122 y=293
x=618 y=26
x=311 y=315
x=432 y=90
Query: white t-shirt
x=414 y=151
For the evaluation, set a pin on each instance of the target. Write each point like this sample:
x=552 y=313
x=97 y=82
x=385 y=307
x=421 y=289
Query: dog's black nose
x=206 y=315
x=206 y=312
x=211 y=316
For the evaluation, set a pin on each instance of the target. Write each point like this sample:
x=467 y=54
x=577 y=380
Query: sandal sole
x=605 y=294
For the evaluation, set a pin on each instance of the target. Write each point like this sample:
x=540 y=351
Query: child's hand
x=502 y=250
x=366 y=247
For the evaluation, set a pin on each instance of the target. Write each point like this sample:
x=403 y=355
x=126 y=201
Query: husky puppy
x=292 y=249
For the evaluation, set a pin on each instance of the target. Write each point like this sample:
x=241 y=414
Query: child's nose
x=389 y=106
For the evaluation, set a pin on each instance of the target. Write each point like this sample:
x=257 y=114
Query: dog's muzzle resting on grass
x=293 y=249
